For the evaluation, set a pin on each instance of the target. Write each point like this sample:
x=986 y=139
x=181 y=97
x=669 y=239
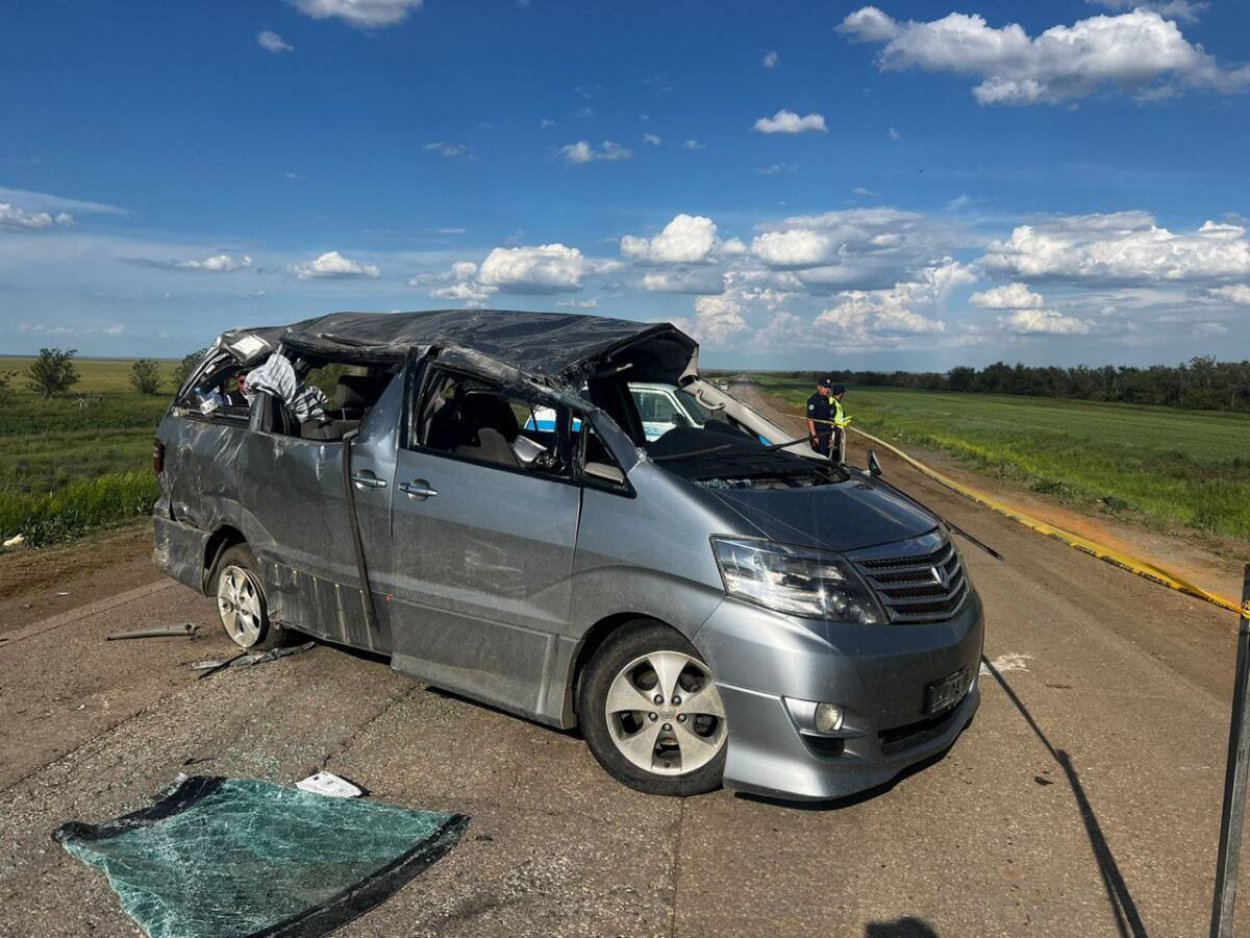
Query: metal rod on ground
x=187 y=629
x=1232 y=820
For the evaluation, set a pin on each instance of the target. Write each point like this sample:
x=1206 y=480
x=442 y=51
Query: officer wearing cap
x=820 y=412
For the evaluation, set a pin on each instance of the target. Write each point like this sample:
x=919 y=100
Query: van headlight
x=799 y=581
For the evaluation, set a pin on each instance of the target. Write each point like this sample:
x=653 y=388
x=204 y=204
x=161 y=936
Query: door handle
x=367 y=480
x=418 y=488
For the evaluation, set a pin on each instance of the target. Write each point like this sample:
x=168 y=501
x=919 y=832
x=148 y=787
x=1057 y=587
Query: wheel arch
x=595 y=636
x=218 y=543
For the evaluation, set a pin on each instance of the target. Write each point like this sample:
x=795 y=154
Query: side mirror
x=680 y=420
x=605 y=473
x=874 y=467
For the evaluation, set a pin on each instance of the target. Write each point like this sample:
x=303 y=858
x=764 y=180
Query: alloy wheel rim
x=665 y=714
x=241 y=605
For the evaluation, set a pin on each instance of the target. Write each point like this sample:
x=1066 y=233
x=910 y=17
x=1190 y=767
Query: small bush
x=6 y=391
x=145 y=376
x=53 y=372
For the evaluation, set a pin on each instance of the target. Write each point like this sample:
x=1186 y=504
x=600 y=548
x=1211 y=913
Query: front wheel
x=651 y=713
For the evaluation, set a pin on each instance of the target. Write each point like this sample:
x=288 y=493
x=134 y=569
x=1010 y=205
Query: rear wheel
x=651 y=713
x=241 y=601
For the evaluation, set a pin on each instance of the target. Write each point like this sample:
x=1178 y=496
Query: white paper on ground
x=330 y=785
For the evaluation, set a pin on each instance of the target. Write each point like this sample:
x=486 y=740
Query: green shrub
x=78 y=507
x=53 y=372
x=145 y=376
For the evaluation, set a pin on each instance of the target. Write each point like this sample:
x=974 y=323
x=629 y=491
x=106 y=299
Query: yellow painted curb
x=1134 y=565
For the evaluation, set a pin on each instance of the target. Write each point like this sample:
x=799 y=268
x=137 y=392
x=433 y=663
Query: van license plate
x=944 y=693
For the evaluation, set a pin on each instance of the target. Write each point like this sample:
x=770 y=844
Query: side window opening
x=219 y=392
x=474 y=419
x=314 y=400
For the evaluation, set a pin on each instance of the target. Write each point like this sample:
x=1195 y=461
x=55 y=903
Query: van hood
x=841 y=516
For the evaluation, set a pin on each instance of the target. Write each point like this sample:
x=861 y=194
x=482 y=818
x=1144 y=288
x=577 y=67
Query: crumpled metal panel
x=554 y=347
x=179 y=550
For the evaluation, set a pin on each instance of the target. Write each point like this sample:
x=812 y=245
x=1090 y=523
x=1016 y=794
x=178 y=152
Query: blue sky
x=797 y=184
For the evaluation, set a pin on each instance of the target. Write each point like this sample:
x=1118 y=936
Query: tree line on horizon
x=1202 y=383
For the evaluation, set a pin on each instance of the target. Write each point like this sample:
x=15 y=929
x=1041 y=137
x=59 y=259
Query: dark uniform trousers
x=819 y=409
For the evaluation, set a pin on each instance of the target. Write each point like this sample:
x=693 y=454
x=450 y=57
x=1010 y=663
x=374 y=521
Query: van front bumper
x=879 y=675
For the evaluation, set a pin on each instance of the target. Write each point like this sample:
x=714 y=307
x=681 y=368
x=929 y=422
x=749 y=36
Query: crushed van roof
x=547 y=345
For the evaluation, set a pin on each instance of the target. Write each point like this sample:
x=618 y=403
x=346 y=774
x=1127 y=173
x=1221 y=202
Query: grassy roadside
x=1162 y=467
x=80 y=462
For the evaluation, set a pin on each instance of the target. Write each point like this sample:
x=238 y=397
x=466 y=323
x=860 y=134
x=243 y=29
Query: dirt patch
x=36 y=583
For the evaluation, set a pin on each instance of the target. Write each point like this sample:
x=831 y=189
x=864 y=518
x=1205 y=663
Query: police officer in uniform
x=820 y=413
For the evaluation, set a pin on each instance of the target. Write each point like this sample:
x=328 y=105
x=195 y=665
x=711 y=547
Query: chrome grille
x=921 y=580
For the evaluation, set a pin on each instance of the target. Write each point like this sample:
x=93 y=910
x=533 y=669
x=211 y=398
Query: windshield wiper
x=693 y=453
x=773 y=447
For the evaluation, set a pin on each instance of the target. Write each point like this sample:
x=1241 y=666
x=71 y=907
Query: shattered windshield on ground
x=229 y=858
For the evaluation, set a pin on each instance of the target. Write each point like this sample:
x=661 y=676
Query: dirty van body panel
x=481 y=578
x=841 y=516
x=179 y=550
x=294 y=490
x=636 y=558
x=296 y=493
x=198 y=492
x=634 y=554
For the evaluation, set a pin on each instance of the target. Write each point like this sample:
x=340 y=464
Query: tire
x=675 y=747
x=241 y=603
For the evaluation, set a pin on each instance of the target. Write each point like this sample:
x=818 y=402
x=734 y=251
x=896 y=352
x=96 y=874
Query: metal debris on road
x=186 y=630
x=330 y=785
x=246 y=660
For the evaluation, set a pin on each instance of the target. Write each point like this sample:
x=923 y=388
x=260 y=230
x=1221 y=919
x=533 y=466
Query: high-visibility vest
x=839 y=416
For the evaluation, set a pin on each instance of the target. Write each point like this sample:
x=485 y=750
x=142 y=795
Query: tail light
x=158 y=457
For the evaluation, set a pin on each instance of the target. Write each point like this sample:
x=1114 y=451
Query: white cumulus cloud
x=270 y=41
x=333 y=265
x=583 y=152
x=1121 y=247
x=1139 y=51
x=1237 y=293
x=895 y=315
x=13 y=217
x=1044 y=322
x=547 y=268
x=1010 y=296
x=788 y=122
x=687 y=239
x=717 y=319
x=368 y=14
x=770 y=59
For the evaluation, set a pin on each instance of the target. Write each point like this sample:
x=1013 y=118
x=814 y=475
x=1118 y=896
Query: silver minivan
x=473 y=495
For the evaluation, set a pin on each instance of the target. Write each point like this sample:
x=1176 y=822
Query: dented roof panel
x=552 y=346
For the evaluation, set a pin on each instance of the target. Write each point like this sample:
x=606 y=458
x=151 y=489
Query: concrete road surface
x=1083 y=801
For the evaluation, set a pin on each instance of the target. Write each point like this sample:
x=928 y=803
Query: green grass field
x=1164 y=467
x=78 y=462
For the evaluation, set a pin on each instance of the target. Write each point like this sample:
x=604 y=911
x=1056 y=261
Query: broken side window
x=471 y=418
